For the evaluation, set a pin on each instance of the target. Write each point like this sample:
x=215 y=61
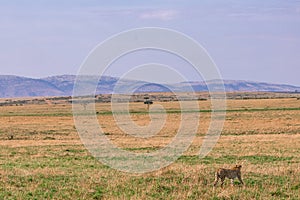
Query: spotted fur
x=231 y=174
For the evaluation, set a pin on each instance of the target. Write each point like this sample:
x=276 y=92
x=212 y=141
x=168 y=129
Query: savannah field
x=42 y=157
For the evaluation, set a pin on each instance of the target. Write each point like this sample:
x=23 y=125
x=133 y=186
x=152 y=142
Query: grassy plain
x=42 y=157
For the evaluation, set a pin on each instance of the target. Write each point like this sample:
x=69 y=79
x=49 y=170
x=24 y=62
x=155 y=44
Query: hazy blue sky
x=249 y=40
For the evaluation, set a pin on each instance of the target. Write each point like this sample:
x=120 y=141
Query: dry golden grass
x=46 y=160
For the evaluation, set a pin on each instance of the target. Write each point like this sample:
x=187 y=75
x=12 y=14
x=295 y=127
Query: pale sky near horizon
x=248 y=40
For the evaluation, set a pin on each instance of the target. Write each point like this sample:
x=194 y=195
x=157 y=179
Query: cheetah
x=232 y=173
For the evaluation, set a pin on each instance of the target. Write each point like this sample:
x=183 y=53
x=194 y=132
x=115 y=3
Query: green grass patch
x=260 y=159
x=194 y=159
x=171 y=111
x=254 y=159
x=147 y=149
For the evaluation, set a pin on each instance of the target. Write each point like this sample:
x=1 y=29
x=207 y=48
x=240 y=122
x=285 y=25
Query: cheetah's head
x=238 y=166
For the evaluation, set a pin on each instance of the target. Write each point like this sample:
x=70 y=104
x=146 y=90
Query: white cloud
x=159 y=14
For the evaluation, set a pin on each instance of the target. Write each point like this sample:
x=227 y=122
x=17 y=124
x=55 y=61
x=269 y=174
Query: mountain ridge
x=62 y=85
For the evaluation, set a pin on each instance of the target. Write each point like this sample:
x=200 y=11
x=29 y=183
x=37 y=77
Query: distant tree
x=148 y=102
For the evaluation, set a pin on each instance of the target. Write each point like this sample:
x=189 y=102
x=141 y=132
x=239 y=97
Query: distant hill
x=15 y=86
x=241 y=86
